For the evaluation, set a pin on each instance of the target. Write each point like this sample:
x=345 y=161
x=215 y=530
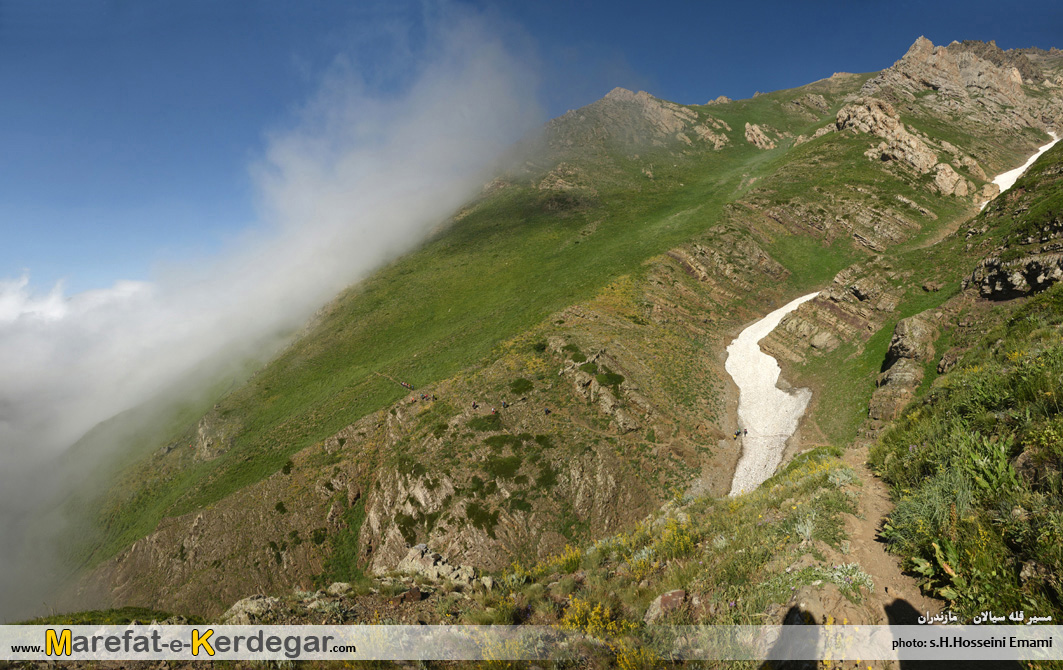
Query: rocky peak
x=635 y=119
x=1003 y=59
x=958 y=70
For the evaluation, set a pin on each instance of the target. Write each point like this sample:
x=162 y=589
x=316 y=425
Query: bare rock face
x=997 y=279
x=974 y=168
x=907 y=149
x=621 y=410
x=879 y=118
x=717 y=139
x=913 y=338
x=564 y=177
x=756 y=136
x=400 y=493
x=988 y=192
x=912 y=345
x=948 y=181
x=214 y=436
x=959 y=69
x=421 y=561
x=976 y=81
x=668 y=117
x=871 y=116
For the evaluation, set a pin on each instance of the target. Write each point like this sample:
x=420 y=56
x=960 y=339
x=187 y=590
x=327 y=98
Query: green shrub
x=343 y=561
x=280 y=507
x=486 y=423
x=481 y=518
x=113 y=617
x=520 y=385
x=503 y=467
x=547 y=478
x=502 y=441
x=544 y=441
x=610 y=379
x=518 y=504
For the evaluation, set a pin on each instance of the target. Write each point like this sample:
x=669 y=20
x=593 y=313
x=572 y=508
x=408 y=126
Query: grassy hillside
x=600 y=280
x=501 y=266
x=976 y=470
x=975 y=466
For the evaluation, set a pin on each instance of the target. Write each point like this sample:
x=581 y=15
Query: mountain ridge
x=747 y=202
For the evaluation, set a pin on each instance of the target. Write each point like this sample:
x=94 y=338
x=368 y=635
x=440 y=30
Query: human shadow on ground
x=785 y=646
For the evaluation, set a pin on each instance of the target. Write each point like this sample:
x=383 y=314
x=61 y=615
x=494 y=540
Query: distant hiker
x=546 y=411
x=745 y=431
x=504 y=404
x=494 y=411
x=433 y=396
x=474 y=405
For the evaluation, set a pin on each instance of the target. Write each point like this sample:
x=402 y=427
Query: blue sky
x=127 y=128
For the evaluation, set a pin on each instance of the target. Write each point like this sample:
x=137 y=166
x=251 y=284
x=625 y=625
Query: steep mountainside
x=562 y=335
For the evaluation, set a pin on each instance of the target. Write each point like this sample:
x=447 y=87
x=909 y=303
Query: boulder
x=339 y=589
x=249 y=610
x=949 y=360
x=912 y=338
x=824 y=340
x=663 y=605
x=582 y=382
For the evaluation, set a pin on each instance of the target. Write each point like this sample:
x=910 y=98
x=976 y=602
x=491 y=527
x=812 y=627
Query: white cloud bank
x=361 y=179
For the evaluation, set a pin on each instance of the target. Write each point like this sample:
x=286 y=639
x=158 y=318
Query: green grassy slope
x=512 y=258
x=975 y=466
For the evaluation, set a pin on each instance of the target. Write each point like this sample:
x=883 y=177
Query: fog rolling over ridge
x=361 y=179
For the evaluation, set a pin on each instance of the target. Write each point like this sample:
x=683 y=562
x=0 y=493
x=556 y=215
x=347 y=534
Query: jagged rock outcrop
x=948 y=182
x=879 y=118
x=976 y=81
x=871 y=116
x=999 y=279
x=587 y=387
x=214 y=436
x=958 y=70
x=716 y=137
x=911 y=346
x=756 y=136
x=422 y=561
x=855 y=305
